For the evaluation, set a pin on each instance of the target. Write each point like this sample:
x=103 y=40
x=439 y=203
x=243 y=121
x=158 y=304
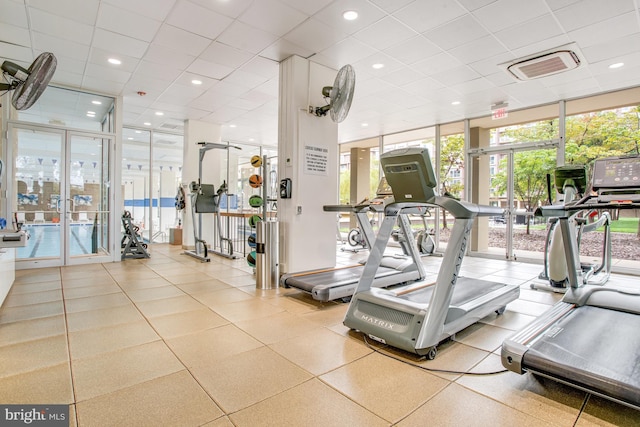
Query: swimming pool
x=45 y=241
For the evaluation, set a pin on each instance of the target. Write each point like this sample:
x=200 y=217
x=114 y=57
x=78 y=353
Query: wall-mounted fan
x=339 y=95
x=28 y=84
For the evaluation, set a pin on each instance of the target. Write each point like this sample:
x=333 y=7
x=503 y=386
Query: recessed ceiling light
x=196 y=82
x=96 y=102
x=455 y=103
x=364 y=125
x=350 y=15
x=232 y=126
x=378 y=66
x=251 y=139
x=159 y=113
x=130 y=139
x=147 y=124
x=91 y=112
x=138 y=131
x=114 y=61
x=616 y=65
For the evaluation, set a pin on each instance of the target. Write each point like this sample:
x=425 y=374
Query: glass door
x=61 y=195
x=87 y=207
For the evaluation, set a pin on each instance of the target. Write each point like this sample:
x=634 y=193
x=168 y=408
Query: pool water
x=45 y=241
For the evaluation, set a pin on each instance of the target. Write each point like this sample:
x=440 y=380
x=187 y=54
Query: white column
x=307 y=233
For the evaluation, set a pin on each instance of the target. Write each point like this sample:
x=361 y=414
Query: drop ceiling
x=434 y=52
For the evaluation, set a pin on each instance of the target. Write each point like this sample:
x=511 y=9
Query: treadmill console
x=410 y=174
x=617 y=179
x=384 y=196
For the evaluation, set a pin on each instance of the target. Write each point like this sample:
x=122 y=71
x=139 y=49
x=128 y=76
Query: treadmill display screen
x=616 y=173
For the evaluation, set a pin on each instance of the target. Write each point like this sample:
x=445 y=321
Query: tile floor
x=172 y=341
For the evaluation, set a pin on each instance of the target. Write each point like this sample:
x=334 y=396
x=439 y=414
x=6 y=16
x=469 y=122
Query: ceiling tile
x=242 y=78
x=588 y=12
x=71 y=49
x=610 y=29
x=368 y=14
x=154 y=9
x=366 y=65
x=14 y=35
x=102 y=85
x=472 y=5
x=307 y=6
x=100 y=57
x=424 y=87
x=477 y=49
x=423 y=16
x=347 y=51
x=391 y=6
x=107 y=73
x=185 y=80
x=272 y=16
x=385 y=33
x=117 y=43
x=13 y=13
x=231 y=9
x=151 y=69
x=413 y=50
x=403 y=76
x=127 y=23
x=198 y=20
x=209 y=69
x=281 y=49
x=314 y=35
x=457 y=32
x=243 y=37
x=491 y=64
x=262 y=67
x=456 y=76
x=164 y=55
x=612 y=48
x=179 y=39
x=507 y=13
x=437 y=63
x=84 y=11
x=223 y=54
x=61 y=27
x=538 y=29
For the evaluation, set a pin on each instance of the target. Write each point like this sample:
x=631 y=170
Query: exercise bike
x=571 y=182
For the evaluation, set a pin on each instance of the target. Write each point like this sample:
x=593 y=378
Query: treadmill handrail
x=458 y=208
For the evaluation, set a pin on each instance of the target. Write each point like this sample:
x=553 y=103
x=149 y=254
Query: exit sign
x=499 y=113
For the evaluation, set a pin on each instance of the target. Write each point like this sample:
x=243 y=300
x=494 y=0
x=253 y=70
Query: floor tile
x=392 y=378
x=220 y=422
x=603 y=412
x=311 y=403
x=252 y=308
x=277 y=327
x=91 y=342
x=32 y=355
x=96 y=302
x=165 y=306
x=93 y=289
x=452 y=359
x=201 y=348
x=542 y=398
x=29 y=330
x=222 y=297
x=151 y=294
x=186 y=276
x=511 y=320
x=35 y=287
x=172 y=400
x=133 y=284
x=35 y=311
x=100 y=318
x=17 y=300
x=37 y=275
x=51 y=385
x=188 y=322
x=457 y=406
x=320 y=350
x=531 y=308
x=248 y=378
x=203 y=286
x=108 y=372
x=483 y=336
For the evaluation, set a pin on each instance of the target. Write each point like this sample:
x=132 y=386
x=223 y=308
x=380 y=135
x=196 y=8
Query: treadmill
x=340 y=282
x=417 y=317
x=589 y=340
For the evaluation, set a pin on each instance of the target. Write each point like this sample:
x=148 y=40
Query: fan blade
x=40 y=74
x=342 y=93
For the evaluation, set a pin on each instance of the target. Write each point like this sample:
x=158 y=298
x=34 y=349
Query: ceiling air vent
x=544 y=65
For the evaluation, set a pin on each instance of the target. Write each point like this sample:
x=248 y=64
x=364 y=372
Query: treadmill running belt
x=466 y=289
x=338 y=277
x=594 y=348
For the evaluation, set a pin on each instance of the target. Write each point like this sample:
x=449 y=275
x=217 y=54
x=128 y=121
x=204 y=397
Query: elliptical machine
x=571 y=182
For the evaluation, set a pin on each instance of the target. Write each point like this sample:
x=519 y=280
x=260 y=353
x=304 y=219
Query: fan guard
x=28 y=84
x=340 y=95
